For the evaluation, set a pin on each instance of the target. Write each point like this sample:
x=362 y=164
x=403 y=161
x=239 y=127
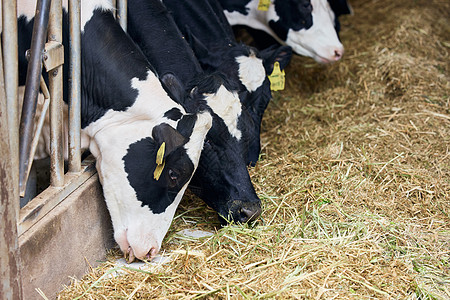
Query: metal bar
x=40 y=123
x=32 y=89
x=10 y=263
x=11 y=73
x=56 y=104
x=122 y=13
x=74 y=87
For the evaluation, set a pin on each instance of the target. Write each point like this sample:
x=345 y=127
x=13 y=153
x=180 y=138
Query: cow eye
x=173 y=175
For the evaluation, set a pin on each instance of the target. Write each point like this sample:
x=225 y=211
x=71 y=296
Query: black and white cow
x=310 y=27
x=211 y=37
x=128 y=117
x=226 y=184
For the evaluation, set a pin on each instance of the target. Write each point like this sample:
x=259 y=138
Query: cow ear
x=165 y=133
x=197 y=46
x=173 y=87
x=281 y=54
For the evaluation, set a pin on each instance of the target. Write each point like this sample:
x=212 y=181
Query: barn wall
x=72 y=237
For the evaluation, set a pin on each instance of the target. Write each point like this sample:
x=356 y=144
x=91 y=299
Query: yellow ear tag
x=264 y=5
x=277 y=78
x=158 y=170
x=160 y=153
x=160 y=162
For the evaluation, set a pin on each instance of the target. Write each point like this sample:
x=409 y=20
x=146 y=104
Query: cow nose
x=130 y=256
x=338 y=54
x=247 y=212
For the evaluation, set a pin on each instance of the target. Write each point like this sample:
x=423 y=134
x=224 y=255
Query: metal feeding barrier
x=21 y=136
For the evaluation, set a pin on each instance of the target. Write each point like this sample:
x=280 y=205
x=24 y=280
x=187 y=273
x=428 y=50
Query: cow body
x=222 y=167
x=310 y=27
x=125 y=113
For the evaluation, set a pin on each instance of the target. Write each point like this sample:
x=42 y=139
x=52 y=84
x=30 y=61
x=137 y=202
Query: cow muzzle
x=143 y=247
x=240 y=211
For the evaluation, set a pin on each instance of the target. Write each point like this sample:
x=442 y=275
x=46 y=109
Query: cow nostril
x=151 y=254
x=249 y=214
x=337 y=54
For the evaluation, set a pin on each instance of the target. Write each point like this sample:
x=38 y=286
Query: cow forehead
x=227 y=106
x=251 y=71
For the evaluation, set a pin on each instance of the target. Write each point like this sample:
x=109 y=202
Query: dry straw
x=354 y=178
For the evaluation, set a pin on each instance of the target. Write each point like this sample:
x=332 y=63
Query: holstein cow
x=144 y=157
x=310 y=27
x=225 y=182
x=210 y=35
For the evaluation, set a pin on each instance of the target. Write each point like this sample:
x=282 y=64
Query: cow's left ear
x=165 y=133
x=281 y=54
x=173 y=87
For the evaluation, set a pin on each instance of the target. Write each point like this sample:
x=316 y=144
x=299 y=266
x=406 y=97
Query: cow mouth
x=130 y=257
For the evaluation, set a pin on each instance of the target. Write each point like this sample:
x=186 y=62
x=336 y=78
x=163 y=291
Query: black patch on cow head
x=173 y=114
x=293 y=15
x=339 y=7
x=140 y=164
x=110 y=60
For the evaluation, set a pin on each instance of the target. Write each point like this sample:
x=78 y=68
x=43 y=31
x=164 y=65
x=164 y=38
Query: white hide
x=226 y=107
x=320 y=41
x=27 y=8
x=251 y=71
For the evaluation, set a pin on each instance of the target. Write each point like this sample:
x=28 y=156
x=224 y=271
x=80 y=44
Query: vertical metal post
x=122 y=13
x=74 y=87
x=32 y=89
x=56 y=106
x=11 y=73
x=10 y=283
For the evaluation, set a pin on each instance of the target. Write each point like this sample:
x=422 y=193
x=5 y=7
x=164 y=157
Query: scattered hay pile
x=354 y=178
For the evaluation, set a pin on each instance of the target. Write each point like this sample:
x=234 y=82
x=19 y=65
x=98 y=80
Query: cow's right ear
x=173 y=87
x=281 y=54
x=164 y=133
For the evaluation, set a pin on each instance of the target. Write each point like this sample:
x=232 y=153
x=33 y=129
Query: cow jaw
x=320 y=41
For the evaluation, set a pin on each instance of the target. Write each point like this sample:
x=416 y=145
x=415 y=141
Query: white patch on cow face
x=320 y=41
x=195 y=144
x=251 y=71
x=227 y=106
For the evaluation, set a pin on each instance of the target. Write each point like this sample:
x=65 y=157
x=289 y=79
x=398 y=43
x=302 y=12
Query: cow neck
x=116 y=75
x=150 y=22
x=209 y=26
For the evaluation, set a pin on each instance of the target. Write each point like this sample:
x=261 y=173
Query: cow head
x=144 y=169
x=222 y=178
x=311 y=33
